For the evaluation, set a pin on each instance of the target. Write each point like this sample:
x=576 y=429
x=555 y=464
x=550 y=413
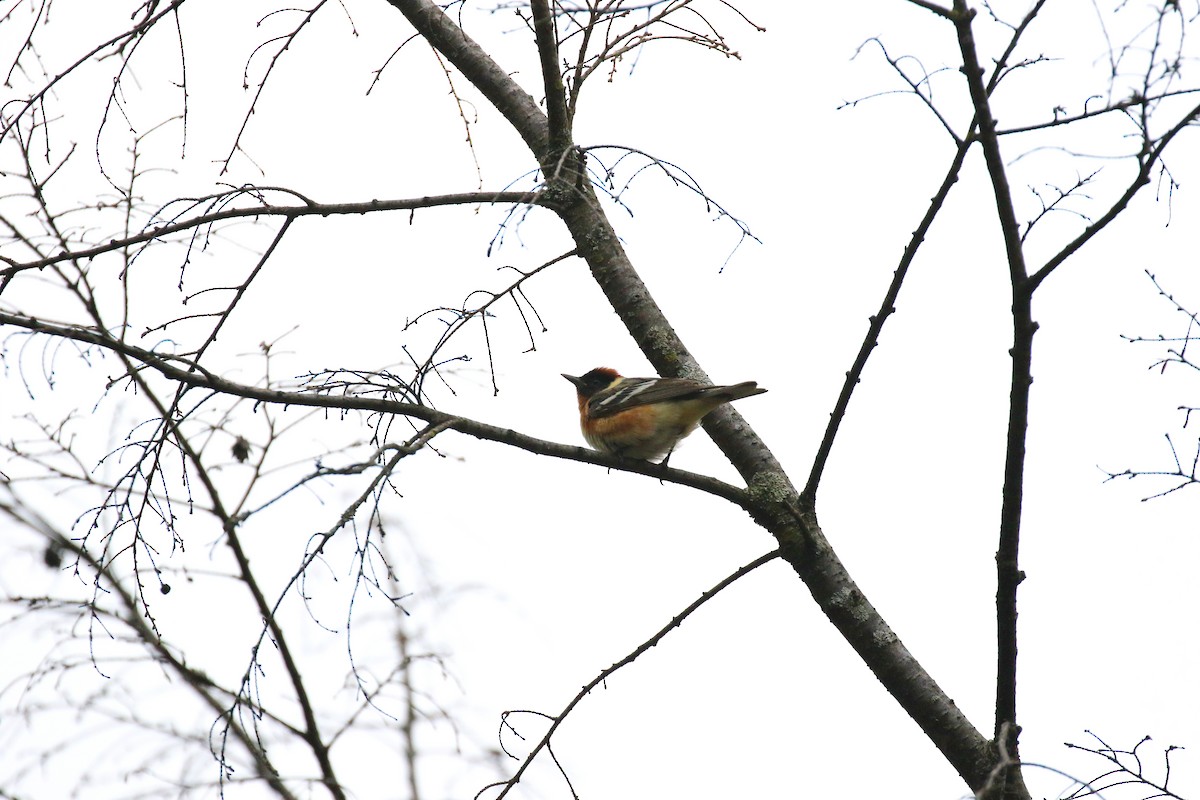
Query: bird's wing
x=633 y=392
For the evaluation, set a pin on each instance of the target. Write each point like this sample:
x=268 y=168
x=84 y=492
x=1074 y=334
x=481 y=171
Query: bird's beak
x=573 y=379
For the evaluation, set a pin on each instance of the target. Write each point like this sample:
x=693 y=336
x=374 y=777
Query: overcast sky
x=552 y=570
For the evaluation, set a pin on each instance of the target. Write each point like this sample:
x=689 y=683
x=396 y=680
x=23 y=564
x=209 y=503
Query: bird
x=645 y=418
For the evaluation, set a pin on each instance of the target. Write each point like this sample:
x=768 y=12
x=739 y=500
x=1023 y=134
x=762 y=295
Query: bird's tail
x=737 y=391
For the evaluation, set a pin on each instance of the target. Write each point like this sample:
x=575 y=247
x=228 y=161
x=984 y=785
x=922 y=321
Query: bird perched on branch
x=646 y=417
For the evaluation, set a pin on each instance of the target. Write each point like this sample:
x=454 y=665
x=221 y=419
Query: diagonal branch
x=1142 y=178
x=119 y=41
x=886 y=309
x=310 y=732
x=773 y=500
x=941 y=11
x=287 y=40
x=888 y=306
x=605 y=674
x=209 y=692
x=481 y=70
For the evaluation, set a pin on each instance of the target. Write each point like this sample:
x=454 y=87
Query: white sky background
x=568 y=567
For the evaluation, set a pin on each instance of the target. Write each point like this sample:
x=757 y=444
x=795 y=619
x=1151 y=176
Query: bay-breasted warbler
x=646 y=417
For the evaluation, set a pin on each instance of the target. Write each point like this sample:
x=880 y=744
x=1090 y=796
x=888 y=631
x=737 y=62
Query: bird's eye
x=596 y=380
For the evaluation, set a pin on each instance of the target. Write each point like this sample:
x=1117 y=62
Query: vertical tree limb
x=556 y=95
x=1008 y=572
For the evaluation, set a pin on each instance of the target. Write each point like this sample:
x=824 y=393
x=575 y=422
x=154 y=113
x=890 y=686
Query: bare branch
x=556 y=99
x=194 y=375
x=201 y=684
x=886 y=309
x=8 y=119
x=464 y=316
x=1062 y=119
x=1146 y=163
x=941 y=11
x=1127 y=770
x=309 y=209
x=287 y=41
x=558 y=719
x=921 y=88
x=1009 y=575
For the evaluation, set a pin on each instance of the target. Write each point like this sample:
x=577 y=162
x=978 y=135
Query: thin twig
x=605 y=674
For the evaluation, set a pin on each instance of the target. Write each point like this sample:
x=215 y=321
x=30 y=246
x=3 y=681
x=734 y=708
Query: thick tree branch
x=481 y=70
x=775 y=502
x=556 y=96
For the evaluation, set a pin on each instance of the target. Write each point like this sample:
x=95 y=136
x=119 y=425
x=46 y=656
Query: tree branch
x=775 y=503
x=196 y=376
x=121 y=39
x=196 y=679
x=481 y=70
x=1142 y=178
x=556 y=96
x=605 y=674
x=310 y=733
x=290 y=212
x=941 y=11
x=886 y=309
x=1008 y=573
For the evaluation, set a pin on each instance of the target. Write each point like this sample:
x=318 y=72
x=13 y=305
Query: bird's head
x=594 y=380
